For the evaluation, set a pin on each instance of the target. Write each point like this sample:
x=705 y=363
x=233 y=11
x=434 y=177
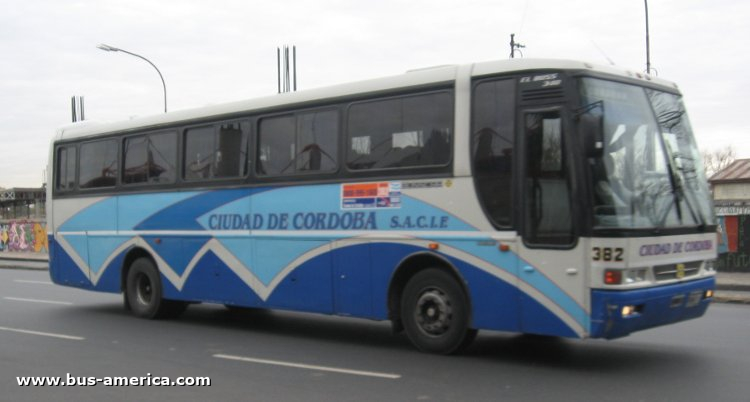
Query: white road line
x=389 y=376
x=35 y=282
x=49 y=334
x=37 y=301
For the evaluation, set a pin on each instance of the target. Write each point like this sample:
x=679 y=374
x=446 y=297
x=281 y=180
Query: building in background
x=731 y=190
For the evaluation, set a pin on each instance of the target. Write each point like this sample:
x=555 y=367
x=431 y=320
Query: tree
x=715 y=161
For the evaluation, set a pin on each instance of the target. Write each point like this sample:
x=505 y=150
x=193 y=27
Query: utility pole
x=515 y=46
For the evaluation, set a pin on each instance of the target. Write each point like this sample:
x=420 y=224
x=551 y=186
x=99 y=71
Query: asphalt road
x=47 y=330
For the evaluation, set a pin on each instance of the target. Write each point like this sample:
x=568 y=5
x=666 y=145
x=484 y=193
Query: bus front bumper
x=617 y=313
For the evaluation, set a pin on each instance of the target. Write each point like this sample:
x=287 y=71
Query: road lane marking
x=389 y=376
x=48 y=334
x=37 y=301
x=35 y=282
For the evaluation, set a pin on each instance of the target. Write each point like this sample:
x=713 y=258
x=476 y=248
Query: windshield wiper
x=684 y=171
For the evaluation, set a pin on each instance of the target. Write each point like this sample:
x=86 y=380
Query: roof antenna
x=611 y=62
x=514 y=46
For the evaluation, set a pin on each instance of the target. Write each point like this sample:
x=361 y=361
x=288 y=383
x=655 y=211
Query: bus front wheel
x=435 y=313
x=143 y=292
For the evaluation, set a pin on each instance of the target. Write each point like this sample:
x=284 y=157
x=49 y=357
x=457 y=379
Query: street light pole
x=108 y=48
x=648 y=44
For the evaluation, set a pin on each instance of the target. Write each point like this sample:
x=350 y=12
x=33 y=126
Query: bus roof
x=413 y=78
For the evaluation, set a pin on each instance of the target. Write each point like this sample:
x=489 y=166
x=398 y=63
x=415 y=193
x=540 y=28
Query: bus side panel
x=306 y=288
x=494 y=302
x=352 y=279
x=110 y=276
x=386 y=257
x=64 y=271
x=211 y=281
x=54 y=272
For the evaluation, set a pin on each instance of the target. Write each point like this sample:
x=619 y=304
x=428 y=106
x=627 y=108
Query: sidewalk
x=731 y=287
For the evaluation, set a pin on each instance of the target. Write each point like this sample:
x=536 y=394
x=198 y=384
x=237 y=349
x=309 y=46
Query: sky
x=217 y=51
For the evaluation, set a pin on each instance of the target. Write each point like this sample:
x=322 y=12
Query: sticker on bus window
x=371 y=195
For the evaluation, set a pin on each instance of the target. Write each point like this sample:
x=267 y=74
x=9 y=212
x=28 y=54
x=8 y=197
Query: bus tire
x=435 y=313
x=143 y=292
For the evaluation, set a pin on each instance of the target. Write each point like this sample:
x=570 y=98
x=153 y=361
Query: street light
x=108 y=48
x=648 y=44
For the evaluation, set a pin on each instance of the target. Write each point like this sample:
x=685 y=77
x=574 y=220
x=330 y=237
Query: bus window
x=401 y=132
x=216 y=151
x=66 y=168
x=98 y=164
x=493 y=112
x=231 y=154
x=199 y=153
x=150 y=159
x=294 y=144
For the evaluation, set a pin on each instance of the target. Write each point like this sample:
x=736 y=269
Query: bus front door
x=551 y=276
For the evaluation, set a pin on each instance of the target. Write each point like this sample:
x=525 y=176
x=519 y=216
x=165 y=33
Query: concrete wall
x=23 y=236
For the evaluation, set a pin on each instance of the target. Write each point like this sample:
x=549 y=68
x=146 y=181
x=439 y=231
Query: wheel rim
x=433 y=312
x=144 y=289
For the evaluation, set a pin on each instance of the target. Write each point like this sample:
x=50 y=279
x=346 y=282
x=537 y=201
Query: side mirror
x=591 y=133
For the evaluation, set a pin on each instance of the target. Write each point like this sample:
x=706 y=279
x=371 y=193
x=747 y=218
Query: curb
x=733 y=287
x=24 y=265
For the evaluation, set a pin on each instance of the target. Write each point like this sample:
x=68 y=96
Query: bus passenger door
x=551 y=274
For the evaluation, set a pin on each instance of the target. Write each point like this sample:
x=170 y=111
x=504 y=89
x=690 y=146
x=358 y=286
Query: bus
x=544 y=197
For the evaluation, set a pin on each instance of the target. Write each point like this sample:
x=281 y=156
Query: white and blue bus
x=532 y=196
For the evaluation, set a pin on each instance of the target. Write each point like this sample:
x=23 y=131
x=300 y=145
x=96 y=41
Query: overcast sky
x=218 y=51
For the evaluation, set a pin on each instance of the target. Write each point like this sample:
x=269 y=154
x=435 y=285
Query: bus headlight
x=711 y=265
x=625 y=276
x=635 y=275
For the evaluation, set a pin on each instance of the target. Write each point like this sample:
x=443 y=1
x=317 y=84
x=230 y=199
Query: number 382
x=608 y=253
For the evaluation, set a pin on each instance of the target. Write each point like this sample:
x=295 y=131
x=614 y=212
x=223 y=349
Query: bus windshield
x=650 y=174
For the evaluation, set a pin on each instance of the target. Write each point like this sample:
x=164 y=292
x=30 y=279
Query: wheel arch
x=410 y=266
x=132 y=255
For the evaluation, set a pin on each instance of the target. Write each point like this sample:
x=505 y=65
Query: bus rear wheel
x=435 y=313
x=143 y=292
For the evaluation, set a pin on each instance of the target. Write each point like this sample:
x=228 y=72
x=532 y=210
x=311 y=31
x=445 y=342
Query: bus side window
x=199 y=153
x=99 y=164
x=297 y=144
x=215 y=152
x=317 y=141
x=66 y=168
x=150 y=159
x=493 y=144
x=231 y=154
x=401 y=132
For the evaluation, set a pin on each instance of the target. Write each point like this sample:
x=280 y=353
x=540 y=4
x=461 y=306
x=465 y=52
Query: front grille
x=677 y=271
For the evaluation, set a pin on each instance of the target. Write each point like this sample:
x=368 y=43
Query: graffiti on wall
x=734 y=243
x=24 y=236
